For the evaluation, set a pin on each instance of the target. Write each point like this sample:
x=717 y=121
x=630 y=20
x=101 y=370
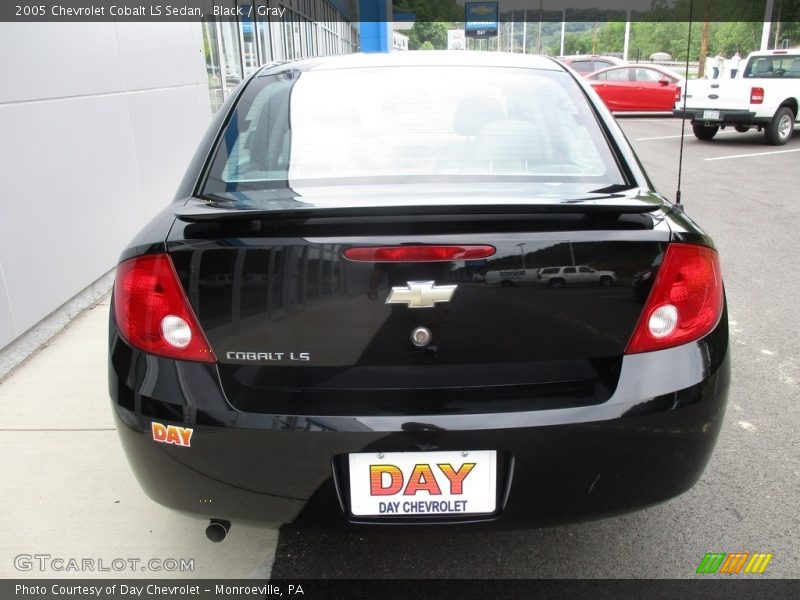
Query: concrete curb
x=40 y=335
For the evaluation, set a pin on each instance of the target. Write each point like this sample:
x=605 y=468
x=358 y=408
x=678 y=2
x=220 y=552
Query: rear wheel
x=507 y=283
x=781 y=127
x=701 y=132
x=742 y=128
x=606 y=281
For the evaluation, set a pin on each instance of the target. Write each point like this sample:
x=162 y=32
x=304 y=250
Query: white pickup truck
x=765 y=94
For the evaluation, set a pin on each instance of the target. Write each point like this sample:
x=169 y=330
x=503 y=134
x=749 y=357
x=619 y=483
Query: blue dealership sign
x=480 y=19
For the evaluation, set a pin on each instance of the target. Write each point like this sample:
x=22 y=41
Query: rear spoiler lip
x=198 y=211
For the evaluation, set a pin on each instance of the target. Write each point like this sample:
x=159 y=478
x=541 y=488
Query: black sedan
x=305 y=333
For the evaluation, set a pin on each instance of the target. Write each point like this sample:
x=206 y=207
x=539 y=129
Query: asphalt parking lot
x=68 y=491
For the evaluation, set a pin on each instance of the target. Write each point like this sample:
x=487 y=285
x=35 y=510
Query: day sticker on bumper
x=171 y=434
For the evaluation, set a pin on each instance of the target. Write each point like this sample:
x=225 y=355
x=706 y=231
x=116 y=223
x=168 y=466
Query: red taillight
x=678 y=94
x=418 y=253
x=153 y=313
x=756 y=95
x=685 y=303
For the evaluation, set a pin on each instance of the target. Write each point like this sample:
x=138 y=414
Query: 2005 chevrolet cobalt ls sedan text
x=307 y=334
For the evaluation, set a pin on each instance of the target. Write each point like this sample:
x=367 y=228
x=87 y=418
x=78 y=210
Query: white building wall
x=98 y=122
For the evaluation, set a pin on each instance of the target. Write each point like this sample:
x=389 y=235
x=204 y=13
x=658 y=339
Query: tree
x=428 y=32
x=577 y=43
x=432 y=20
x=611 y=38
x=430 y=10
x=736 y=37
x=670 y=37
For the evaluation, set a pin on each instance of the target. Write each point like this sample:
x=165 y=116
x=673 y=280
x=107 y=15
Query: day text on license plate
x=711 y=115
x=423 y=483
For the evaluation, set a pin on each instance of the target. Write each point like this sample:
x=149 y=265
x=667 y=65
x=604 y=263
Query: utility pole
x=539 y=37
x=777 y=43
x=704 y=39
x=626 y=43
x=767 y=24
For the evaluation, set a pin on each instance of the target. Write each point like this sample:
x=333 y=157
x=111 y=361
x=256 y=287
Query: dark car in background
x=304 y=334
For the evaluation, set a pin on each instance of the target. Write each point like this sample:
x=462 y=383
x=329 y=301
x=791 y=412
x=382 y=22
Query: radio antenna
x=678 y=204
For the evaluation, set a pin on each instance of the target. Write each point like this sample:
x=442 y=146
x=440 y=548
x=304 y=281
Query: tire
x=557 y=283
x=780 y=128
x=506 y=283
x=701 y=132
x=606 y=281
x=742 y=128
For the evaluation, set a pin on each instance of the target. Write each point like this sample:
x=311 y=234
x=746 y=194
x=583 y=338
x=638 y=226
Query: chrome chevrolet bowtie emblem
x=421 y=294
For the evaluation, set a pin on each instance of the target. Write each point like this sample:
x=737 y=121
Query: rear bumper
x=733 y=117
x=651 y=441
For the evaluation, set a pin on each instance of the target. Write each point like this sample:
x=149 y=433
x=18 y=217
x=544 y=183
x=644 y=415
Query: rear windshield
x=785 y=67
x=410 y=124
x=589 y=66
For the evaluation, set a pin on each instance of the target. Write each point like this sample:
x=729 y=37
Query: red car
x=637 y=88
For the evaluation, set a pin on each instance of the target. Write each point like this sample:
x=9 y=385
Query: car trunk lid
x=298 y=327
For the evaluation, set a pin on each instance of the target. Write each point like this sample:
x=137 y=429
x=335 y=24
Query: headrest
x=475 y=112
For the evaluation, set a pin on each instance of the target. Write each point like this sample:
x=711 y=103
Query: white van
x=509 y=277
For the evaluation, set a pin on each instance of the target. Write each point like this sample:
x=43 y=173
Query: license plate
x=711 y=115
x=423 y=483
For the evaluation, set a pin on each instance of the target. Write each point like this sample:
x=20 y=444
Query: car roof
x=585 y=56
x=775 y=52
x=630 y=66
x=443 y=58
x=568 y=60
x=658 y=68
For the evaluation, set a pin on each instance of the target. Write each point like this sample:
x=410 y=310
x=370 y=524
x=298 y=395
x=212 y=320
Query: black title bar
x=703 y=588
x=509 y=11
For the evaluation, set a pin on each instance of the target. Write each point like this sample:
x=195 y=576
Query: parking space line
x=664 y=137
x=754 y=154
x=632 y=118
